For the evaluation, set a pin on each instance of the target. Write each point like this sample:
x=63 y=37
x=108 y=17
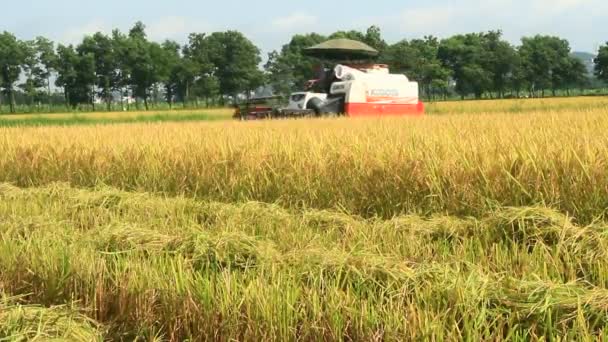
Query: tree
x=466 y=56
x=121 y=44
x=76 y=75
x=138 y=31
x=141 y=76
x=173 y=60
x=544 y=59
x=184 y=76
x=12 y=57
x=39 y=63
x=373 y=38
x=198 y=73
x=481 y=63
x=235 y=59
x=85 y=79
x=517 y=81
x=418 y=60
x=537 y=62
x=352 y=34
x=48 y=60
x=279 y=73
x=66 y=72
x=32 y=69
x=142 y=58
x=570 y=73
x=290 y=69
x=601 y=63
x=560 y=71
x=102 y=48
x=501 y=60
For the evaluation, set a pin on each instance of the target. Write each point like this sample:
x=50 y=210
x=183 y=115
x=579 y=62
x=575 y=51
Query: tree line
x=223 y=65
x=129 y=65
x=467 y=65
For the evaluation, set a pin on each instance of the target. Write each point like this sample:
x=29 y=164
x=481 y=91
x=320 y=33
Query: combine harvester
x=354 y=87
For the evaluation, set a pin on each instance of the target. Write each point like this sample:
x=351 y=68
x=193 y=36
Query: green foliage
x=143 y=63
x=102 y=48
x=224 y=65
x=66 y=73
x=33 y=70
x=419 y=60
x=547 y=64
x=76 y=74
x=85 y=78
x=502 y=61
x=601 y=64
x=13 y=54
x=235 y=59
x=199 y=70
x=480 y=62
x=290 y=69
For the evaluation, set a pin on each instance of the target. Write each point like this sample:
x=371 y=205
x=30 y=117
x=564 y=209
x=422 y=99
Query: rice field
x=558 y=104
x=486 y=225
x=515 y=106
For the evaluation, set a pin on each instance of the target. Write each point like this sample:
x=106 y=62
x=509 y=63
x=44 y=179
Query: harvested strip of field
x=176 y=268
x=462 y=165
x=29 y=120
x=218 y=112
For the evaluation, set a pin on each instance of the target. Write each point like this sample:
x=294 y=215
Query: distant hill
x=587 y=58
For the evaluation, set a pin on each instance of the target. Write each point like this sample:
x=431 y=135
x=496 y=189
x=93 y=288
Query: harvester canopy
x=341 y=50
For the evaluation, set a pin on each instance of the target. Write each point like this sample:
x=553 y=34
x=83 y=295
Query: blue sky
x=270 y=23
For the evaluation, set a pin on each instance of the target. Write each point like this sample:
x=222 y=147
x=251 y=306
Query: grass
x=478 y=226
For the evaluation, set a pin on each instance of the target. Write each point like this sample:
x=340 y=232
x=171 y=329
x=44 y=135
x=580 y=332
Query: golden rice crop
x=461 y=164
x=576 y=104
x=486 y=225
x=35 y=323
x=148 y=267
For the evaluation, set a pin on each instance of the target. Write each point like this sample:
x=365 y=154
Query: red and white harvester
x=354 y=87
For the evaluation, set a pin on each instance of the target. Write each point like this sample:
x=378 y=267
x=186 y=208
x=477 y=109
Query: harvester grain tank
x=355 y=87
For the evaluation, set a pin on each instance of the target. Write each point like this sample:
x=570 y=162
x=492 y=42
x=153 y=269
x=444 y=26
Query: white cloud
x=429 y=20
x=170 y=27
x=557 y=6
x=294 y=22
x=571 y=19
x=174 y=27
x=74 y=35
